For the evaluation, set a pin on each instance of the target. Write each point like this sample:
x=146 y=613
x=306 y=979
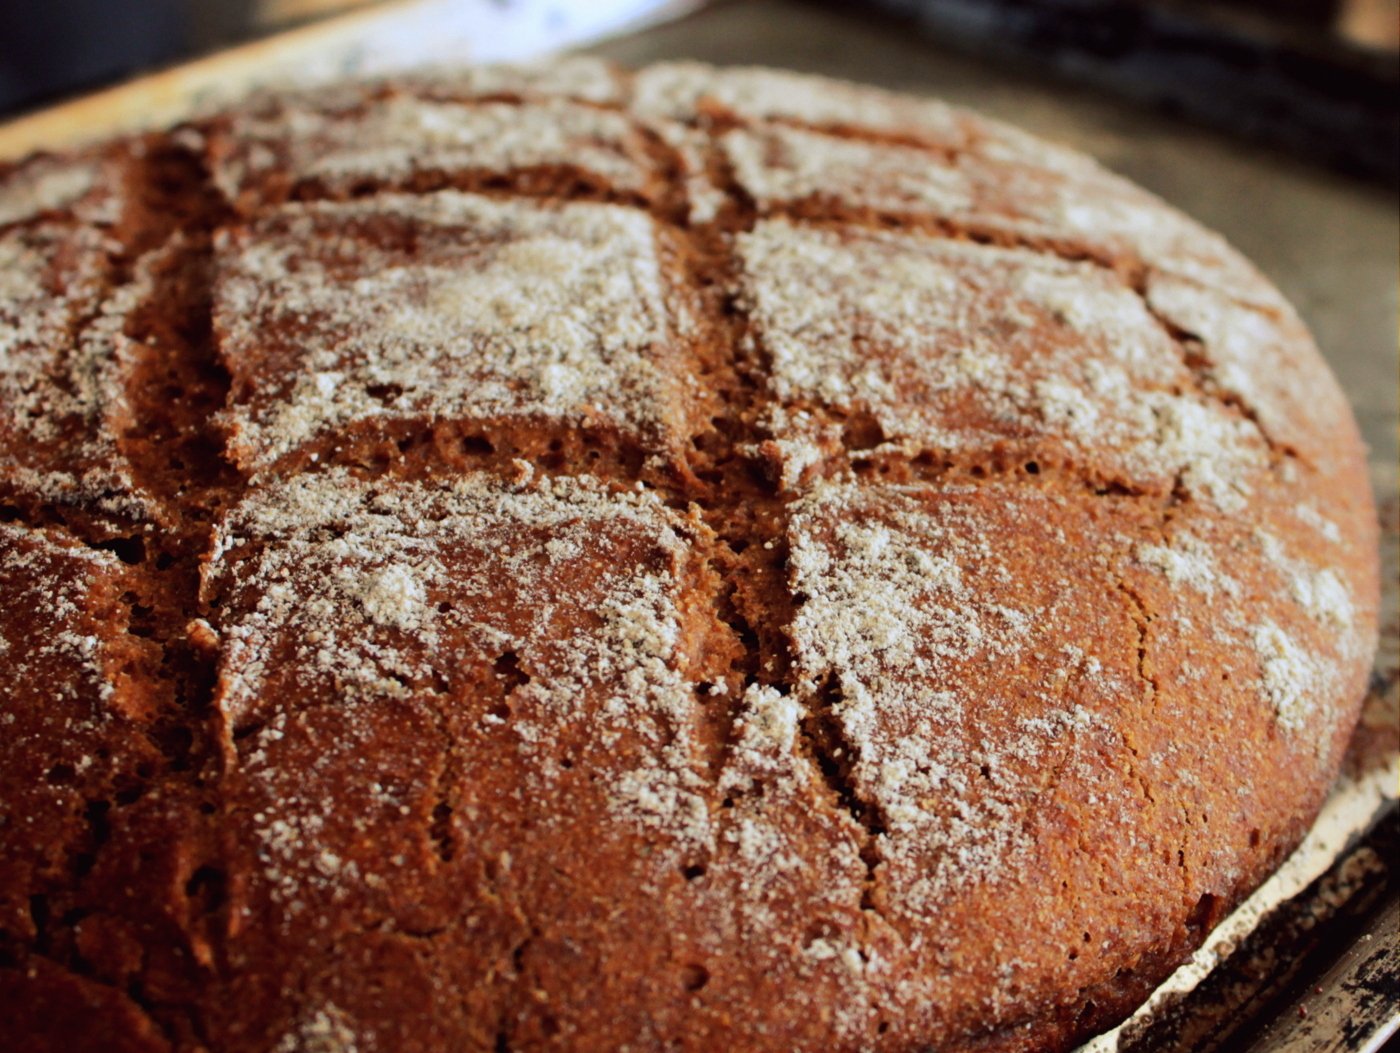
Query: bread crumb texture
x=561 y=558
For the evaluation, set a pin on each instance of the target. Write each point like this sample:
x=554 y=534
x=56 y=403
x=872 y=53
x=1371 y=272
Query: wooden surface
x=1327 y=241
x=375 y=40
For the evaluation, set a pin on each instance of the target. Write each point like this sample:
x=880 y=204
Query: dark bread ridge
x=153 y=977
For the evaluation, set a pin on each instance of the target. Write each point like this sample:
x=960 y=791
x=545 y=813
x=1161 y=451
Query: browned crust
x=124 y=911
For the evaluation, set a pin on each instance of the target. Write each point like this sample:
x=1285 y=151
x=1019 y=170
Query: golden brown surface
x=679 y=560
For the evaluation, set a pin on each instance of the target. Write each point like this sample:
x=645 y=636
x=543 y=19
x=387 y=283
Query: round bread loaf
x=705 y=560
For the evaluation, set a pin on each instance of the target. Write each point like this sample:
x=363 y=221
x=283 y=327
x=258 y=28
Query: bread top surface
x=566 y=558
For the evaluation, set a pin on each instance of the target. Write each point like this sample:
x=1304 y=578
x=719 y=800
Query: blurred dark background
x=1318 y=78
x=50 y=49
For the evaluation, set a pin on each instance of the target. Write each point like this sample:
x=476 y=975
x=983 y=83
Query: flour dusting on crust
x=505 y=309
x=960 y=347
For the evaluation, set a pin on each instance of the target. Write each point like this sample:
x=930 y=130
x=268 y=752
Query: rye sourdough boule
x=690 y=560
